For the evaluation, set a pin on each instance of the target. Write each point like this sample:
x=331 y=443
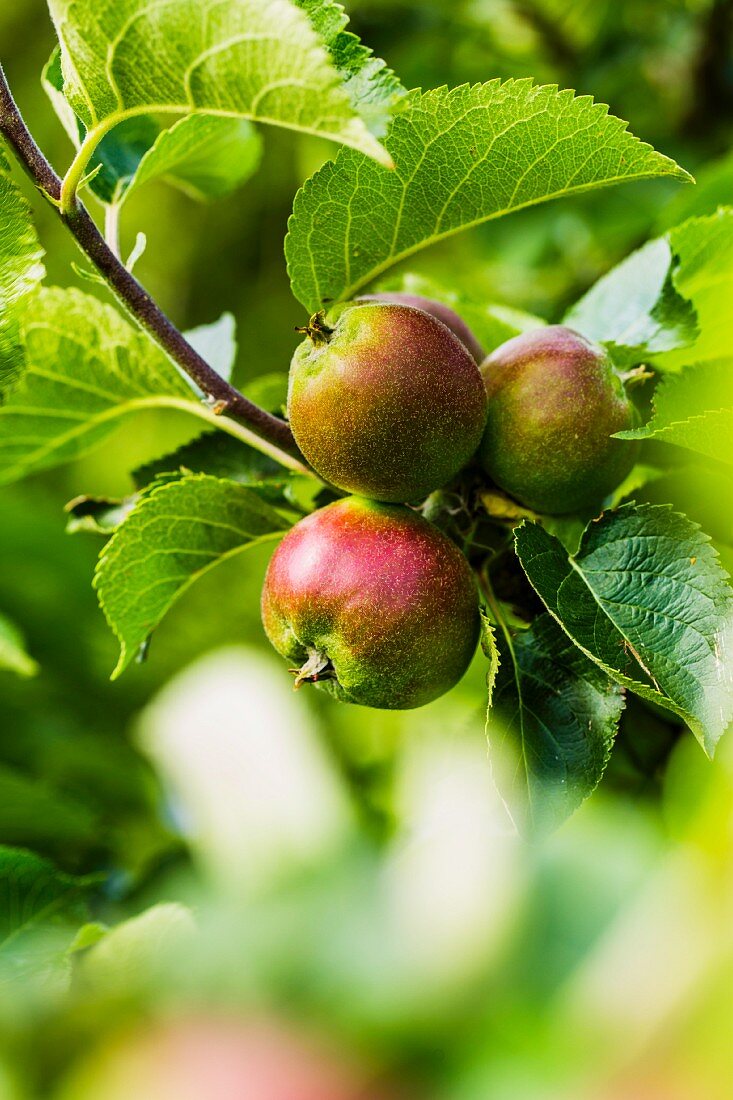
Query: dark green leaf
x=553 y=722
x=374 y=89
x=97 y=515
x=35 y=892
x=646 y=598
x=216 y=454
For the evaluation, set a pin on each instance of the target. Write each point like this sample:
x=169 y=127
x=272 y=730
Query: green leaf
x=85 y=368
x=704 y=274
x=554 y=719
x=374 y=89
x=38 y=816
x=223 y=456
x=254 y=59
x=207 y=156
x=461 y=156
x=216 y=454
x=52 y=82
x=491 y=652
x=694 y=410
x=646 y=598
x=269 y=391
x=88 y=935
x=635 y=309
x=134 y=953
x=178 y=531
x=36 y=897
x=97 y=515
x=21 y=270
x=217 y=344
x=13 y=657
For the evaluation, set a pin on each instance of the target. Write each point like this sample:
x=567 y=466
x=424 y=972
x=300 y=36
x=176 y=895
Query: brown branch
x=132 y=296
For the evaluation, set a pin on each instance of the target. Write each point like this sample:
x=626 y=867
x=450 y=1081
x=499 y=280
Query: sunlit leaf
x=461 y=156
x=21 y=270
x=254 y=59
x=178 y=531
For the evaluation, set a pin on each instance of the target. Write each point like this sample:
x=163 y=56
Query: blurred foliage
x=351 y=871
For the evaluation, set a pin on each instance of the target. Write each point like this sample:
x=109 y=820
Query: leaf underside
x=254 y=59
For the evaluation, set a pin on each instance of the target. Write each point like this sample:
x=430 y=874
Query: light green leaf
x=704 y=274
x=554 y=719
x=462 y=157
x=13 y=657
x=635 y=309
x=88 y=935
x=178 y=531
x=269 y=391
x=374 y=89
x=206 y=156
x=21 y=270
x=217 y=344
x=85 y=368
x=646 y=598
x=694 y=410
x=52 y=82
x=491 y=652
x=254 y=59
x=134 y=953
x=34 y=893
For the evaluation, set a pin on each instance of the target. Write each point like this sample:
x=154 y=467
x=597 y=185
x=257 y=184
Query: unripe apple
x=555 y=399
x=372 y=602
x=387 y=404
x=436 y=309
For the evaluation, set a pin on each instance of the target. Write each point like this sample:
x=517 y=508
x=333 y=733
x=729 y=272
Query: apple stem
x=317 y=331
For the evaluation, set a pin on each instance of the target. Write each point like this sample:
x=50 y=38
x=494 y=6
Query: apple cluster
x=390 y=401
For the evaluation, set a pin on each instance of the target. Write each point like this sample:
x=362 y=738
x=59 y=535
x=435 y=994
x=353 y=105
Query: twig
x=132 y=295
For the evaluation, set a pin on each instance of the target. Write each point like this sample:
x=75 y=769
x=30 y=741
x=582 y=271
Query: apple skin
x=387 y=404
x=216 y=1058
x=380 y=594
x=555 y=398
x=436 y=309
